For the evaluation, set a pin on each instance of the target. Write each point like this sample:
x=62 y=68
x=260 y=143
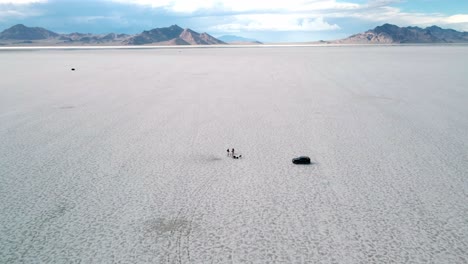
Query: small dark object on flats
x=301 y=160
x=73 y=69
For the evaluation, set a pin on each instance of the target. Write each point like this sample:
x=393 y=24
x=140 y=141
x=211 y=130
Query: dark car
x=301 y=160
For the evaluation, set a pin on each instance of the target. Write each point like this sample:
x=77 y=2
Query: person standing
x=228 y=152
x=232 y=151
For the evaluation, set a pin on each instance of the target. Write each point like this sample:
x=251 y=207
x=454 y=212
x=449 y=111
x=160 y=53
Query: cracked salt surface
x=125 y=160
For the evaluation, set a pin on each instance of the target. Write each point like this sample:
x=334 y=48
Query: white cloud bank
x=275 y=22
x=260 y=15
x=298 y=15
x=18 y=8
x=190 y=6
x=22 y=2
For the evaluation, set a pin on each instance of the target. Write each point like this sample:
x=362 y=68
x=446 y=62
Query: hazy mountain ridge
x=173 y=35
x=92 y=38
x=238 y=39
x=391 y=34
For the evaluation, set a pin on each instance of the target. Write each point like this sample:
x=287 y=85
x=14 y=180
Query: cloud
x=297 y=15
x=18 y=9
x=10 y=13
x=387 y=14
x=457 y=19
x=96 y=19
x=190 y=6
x=21 y=2
x=275 y=22
x=260 y=15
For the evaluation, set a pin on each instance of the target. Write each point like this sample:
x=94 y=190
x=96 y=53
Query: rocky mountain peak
x=388 y=33
x=173 y=35
x=22 y=32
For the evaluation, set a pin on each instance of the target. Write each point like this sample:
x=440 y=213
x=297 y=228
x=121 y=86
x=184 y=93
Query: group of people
x=231 y=152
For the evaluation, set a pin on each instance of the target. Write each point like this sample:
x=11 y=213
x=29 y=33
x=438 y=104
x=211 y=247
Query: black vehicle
x=301 y=160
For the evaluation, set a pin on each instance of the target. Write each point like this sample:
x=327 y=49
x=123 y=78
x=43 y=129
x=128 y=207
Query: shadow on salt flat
x=206 y=158
x=312 y=166
x=161 y=225
x=66 y=107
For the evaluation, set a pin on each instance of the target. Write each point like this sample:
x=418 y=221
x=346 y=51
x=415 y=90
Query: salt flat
x=124 y=160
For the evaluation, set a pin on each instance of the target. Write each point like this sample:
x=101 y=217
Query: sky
x=264 y=20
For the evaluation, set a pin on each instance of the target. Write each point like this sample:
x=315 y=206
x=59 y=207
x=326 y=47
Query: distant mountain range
x=175 y=35
x=238 y=39
x=391 y=34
